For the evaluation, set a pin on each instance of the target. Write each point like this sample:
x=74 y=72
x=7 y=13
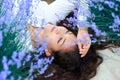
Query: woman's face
x=58 y=38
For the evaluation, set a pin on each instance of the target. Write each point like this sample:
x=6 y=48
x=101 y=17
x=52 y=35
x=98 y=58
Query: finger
x=81 y=52
x=84 y=52
x=82 y=56
x=80 y=46
x=82 y=49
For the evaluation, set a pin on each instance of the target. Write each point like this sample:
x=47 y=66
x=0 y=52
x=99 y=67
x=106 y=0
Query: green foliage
x=102 y=16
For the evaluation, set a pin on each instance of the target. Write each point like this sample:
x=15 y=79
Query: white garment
x=37 y=13
x=43 y=13
x=58 y=10
x=110 y=68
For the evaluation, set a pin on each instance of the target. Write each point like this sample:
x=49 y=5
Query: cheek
x=53 y=37
x=53 y=47
x=53 y=42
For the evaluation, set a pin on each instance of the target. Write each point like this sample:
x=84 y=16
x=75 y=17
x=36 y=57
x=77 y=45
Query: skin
x=58 y=38
x=85 y=41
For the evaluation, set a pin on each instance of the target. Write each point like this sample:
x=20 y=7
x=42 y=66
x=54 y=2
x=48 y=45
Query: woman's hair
x=79 y=68
x=70 y=66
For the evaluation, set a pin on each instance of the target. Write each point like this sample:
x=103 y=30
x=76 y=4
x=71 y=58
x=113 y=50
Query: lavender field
x=16 y=58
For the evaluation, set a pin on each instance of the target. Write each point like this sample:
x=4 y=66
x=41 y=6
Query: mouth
x=53 y=28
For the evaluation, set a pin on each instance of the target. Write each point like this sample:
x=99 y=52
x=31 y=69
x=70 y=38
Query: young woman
x=65 y=59
x=68 y=65
x=62 y=44
x=58 y=10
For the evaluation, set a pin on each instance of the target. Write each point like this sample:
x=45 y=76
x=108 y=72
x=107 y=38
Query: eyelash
x=60 y=39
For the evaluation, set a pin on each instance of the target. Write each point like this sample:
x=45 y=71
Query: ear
x=48 y=52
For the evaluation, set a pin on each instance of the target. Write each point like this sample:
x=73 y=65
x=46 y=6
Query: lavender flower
x=100 y=7
x=4 y=61
x=21 y=55
x=118 y=0
x=43 y=69
x=49 y=75
x=12 y=78
x=3 y=75
x=28 y=58
x=110 y=4
x=1 y=38
x=95 y=28
x=2 y=20
x=117 y=20
x=5 y=72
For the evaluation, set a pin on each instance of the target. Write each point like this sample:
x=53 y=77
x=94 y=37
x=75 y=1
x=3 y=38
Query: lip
x=53 y=28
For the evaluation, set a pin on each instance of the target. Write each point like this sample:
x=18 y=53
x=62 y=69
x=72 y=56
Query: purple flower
x=11 y=78
x=28 y=57
x=21 y=55
x=5 y=72
x=3 y=75
x=10 y=62
x=94 y=40
x=103 y=34
x=110 y=4
x=5 y=65
x=118 y=35
x=100 y=7
x=43 y=69
x=14 y=56
x=1 y=38
x=2 y=20
x=118 y=0
x=40 y=62
x=49 y=75
x=117 y=20
x=95 y=28
x=9 y=17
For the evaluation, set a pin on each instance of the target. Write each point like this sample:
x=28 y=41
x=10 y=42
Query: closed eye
x=61 y=37
x=59 y=40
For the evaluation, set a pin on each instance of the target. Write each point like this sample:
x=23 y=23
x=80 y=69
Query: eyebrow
x=60 y=40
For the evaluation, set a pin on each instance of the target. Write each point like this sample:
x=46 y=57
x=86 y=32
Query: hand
x=84 y=42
